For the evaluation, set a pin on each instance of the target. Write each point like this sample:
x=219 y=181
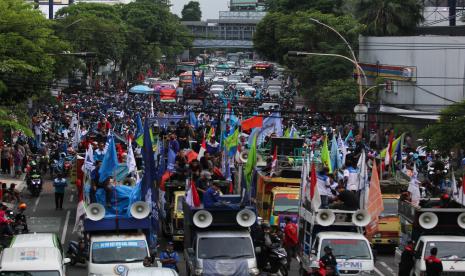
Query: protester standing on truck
x=290 y=240
x=433 y=263
x=407 y=260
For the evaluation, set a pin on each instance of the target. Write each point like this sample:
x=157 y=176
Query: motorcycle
x=35 y=184
x=77 y=252
x=18 y=221
x=277 y=261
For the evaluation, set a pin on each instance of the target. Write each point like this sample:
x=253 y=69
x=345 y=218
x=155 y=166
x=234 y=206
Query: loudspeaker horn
x=361 y=218
x=243 y=156
x=95 y=212
x=203 y=219
x=140 y=210
x=246 y=218
x=461 y=220
x=428 y=220
x=261 y=162
x=325 y=217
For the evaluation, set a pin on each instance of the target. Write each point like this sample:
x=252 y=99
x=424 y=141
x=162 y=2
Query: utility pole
x=452 y=12
x=50 y=9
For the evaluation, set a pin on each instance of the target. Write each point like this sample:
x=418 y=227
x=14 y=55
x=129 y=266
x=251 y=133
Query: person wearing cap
x=169 y=258
x=407 y=259
x=329 y=260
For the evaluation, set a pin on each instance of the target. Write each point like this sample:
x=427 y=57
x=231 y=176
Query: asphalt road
x=42 y=217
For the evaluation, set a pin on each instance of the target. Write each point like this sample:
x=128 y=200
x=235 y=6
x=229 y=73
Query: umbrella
x=141 y=89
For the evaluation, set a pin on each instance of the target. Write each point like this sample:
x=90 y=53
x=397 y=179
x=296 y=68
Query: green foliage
x=27 y=45
x=286 y=6
x=449 y=132
x=389 y=17
x=11 y=118
x=191 y=11
x=337 y=95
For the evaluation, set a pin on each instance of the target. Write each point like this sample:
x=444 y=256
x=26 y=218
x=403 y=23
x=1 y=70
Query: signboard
x=392 y=72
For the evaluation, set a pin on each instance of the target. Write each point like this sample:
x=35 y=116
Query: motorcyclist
x=5 y=223
x=265 y=241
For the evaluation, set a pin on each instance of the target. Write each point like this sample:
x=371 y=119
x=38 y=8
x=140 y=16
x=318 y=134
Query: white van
x=34 y=254
x=110 y=254
x=152 y=271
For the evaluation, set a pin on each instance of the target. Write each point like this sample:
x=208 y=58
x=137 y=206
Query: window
x=453 y=250
x=119 y=251
x=225 y=248
x=348 y=248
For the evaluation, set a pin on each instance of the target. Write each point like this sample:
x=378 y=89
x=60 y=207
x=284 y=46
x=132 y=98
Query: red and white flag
x=274 y=162
x=314 y=194
x=203 y=149
x=388 y=157
x=192 y=196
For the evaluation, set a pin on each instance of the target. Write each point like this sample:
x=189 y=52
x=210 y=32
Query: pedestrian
x=169 y=258
x=291 y=240
x=329 y=261
x=433 y=263
x=60 y=184
x=407 y=259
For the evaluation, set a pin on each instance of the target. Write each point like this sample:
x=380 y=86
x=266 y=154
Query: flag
x=349 y=136
x=293 y=133
x=194 y=80
x=394 y=148
x=130 y=159
x=192 y=196
x=231 y=142
x=274 y=161
x=256 y=121
x=314 y=193
x=388 y=154
x=149 y=193
x=414 y=188
x=251 y=163
x=343 y=149
x=193 y=120
x=374 y=201
x=171 y=159
x=81 y=207
x=88 y=165
x=325 y=158
x=287 y=133
x=110 y=160
x=140 y=139
x=363 y=184
x=203 y=149
x=140 y=127
x=336 y=162
x=77 y=136
x=211 y=133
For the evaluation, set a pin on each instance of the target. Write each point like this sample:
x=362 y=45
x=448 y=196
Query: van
x=32 y=254
x=152 y=271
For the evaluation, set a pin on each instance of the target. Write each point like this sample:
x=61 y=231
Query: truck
x=277 y=197
x=388 y=232
x=217 y=241
x=341 y=230
x=173 y=221
x=429 y=226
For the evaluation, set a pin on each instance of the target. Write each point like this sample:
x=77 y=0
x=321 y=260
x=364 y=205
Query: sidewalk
x=20 y=183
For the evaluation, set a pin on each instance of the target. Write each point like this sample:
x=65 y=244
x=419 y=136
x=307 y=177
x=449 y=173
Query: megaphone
x=361 y=218
x=461 y=220
x=325 y=217
x=261 y=162
x=243 y=156
x=246 y=218
x=428 y=220
x=140 y=210
x=202 y=219
x=95 y=212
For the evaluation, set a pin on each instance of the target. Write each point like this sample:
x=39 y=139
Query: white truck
x=429 y=226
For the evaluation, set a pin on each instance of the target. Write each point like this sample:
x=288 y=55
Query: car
x=241 y=85
x=152 y=271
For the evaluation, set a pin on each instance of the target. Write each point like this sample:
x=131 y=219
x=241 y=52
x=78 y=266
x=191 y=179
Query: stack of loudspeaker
x=96 y=211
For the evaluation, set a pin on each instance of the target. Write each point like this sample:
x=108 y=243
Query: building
x=439 y=13
x=247 y=5
x=421 y=73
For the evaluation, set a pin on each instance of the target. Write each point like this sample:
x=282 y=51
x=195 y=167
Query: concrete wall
x=440 y=64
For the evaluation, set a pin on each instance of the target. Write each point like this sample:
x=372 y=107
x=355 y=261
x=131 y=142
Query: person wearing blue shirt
x=100 y=152
x=60 y=184
x=169 y=258
x=212 y=196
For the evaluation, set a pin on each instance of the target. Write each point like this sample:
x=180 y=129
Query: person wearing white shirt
x=324 y=187
x=351 y=178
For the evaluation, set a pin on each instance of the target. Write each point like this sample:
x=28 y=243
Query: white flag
x=363 y=184
x=130 y=159
x=77 y=137
x=414 y=188
x=88 y=165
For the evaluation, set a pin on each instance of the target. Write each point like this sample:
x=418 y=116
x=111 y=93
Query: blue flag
x=149 y=193
x=193 y=119
x=140 y=128
x=349 y=136
x=171 y=160
x=110 y=160
x=161 y=157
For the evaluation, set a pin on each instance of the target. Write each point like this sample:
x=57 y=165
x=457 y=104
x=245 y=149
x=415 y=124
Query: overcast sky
x=210 y=8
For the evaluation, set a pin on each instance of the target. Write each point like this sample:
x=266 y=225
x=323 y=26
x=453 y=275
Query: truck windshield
x=30 y=273
x=225 y=248
x=286 y=203
x=390 y=207
x=347 y=248
x=179 y=203
x=119 y=251
x=447 y=250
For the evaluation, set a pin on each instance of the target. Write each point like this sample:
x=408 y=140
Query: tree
x=191 y=11
x=289 y=6
x=339 y=95
x=27 y=51
x=389 y=17
x=449 y=132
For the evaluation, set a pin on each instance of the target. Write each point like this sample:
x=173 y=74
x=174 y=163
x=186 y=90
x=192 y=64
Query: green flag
x=232 y=140
x=287 y=133
x=325 y=156
x=251 y=162
x=140 y=139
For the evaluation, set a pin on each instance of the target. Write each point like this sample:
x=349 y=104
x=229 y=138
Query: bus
x=182 y=67
x=262 y=69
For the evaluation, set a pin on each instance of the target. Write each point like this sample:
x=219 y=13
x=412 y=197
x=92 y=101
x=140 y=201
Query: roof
x=31 y=258
x=223 y=234
x=97 y=238
x=341 y=235
x=34 y=239
x=443 y=238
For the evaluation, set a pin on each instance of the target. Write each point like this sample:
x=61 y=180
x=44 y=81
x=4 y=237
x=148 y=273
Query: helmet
x=22 y=206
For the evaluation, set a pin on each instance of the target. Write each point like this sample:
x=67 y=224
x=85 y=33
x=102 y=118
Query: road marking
x=36 y=204
x=65 y=227
x=379 y=272
x=71 y=198
x=388 y=268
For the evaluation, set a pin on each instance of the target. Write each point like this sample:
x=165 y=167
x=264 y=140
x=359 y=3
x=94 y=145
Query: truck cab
x=352 y=252
x=388 y=232
x=285 y=203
